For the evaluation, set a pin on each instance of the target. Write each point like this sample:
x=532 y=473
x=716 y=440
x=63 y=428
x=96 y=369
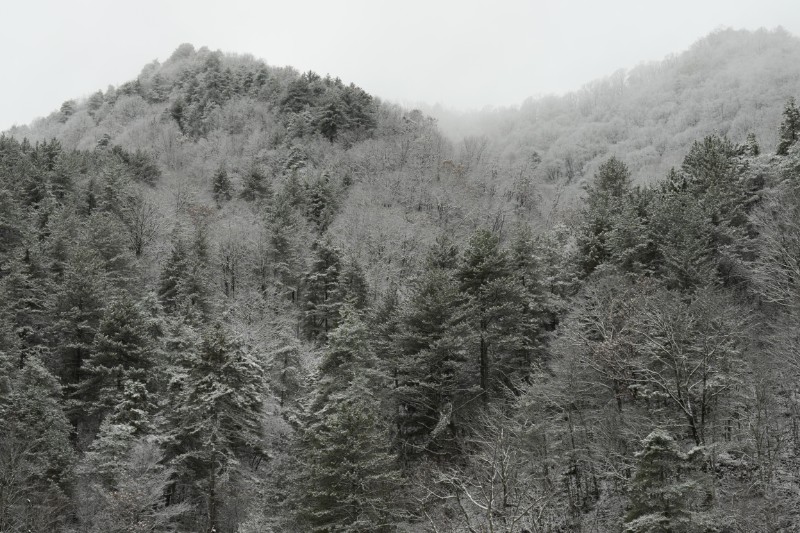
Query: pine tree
x=429 y=357
x=496 y=311
x=256 y=187
x=12 y=228
x=217 y=419
x=182 y=288
x=222 y=188
x=77 y=304
x=665 y=496
x=322 y=297
x=123 y=482
x=121 y=359
x=24 y=290
x=790 y=127
x=36 y=456
x=752 y=148
x=319 y=202
x=349 y=477
x=611 y=184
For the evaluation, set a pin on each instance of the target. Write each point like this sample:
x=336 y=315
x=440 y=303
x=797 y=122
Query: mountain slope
x=250 y=299
x=731 y=83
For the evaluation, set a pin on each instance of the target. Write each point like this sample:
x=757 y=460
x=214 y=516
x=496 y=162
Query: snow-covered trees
x=216 y=424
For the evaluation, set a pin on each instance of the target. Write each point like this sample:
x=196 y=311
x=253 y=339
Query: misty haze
x=441 y=275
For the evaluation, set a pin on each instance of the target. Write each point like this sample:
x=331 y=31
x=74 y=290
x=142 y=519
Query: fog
x=460 y=55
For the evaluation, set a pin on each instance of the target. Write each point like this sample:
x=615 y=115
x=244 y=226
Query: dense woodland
x=240 y=298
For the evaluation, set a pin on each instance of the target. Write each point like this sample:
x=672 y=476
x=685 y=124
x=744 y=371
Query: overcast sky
x=464 y=54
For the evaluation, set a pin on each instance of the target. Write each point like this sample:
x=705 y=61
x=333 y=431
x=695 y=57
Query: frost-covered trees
x=790 y=127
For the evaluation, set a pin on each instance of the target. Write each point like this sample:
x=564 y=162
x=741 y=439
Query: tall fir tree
x=349 y=477
x=217 y=420
x=36 y=455
x=790 y=127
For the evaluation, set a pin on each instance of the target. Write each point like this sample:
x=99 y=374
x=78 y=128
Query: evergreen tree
x=256 y=187
x=790 y=127
x=752 y=148
x=321 y=292
x=123 y=484
x=182 y=287
x=320 y=203
x=77 y=304
x=217 y=419
x=605 y=196
x=287 y=379
x=222 y=188
x=665 y=497
x=284 y=236
x=36 y=456
x=121 y=357
x=25 y=292
x=429 y=358
x=496 y=310
x=12 y=228
x=349 y=476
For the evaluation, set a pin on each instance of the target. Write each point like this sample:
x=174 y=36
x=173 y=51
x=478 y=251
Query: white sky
x=464 y=54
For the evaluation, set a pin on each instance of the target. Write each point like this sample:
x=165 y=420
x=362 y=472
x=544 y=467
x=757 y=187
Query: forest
x=237 y=298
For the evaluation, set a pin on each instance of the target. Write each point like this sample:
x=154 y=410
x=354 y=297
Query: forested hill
x=730 y=83
x=238 y=298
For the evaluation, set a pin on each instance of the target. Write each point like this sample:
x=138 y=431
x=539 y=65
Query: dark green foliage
x=284 y=245
x=322 y=295
x=77 y=306
x=247 y=374
x=429 y=360
x=605 y=198
x=124 y=482
x=67 y=110
x=320 y=203
x=790 y=127
x=613 y=179
x=216 y=419
x=140 y=164
x=12 y=230
x=182 y=288
x=349 y=476
x=36 y=456
x=24 y=289
x=95 y=102
x=496 y=311
x=285 y=371
x=665 y=496
x=256 y=186
x=120 y=360
x=221 y=187
x=751 y=146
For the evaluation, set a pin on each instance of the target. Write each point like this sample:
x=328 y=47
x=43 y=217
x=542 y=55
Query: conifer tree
x=790 y=127
x=222 y=188
x=496 y=311
x=24 y=290
x=121 y=357
x=605 y=195
x=429 y=358
x=217 y=419
x=123 y=482
x=665 y=496
x=36 y=456
x=77 y=304
x=322 y=297
x=256 y=186
x=349 y=475
x=182 y=287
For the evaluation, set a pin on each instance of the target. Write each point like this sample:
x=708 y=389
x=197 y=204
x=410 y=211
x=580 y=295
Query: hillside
x=240 y=298
x=730 y=83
